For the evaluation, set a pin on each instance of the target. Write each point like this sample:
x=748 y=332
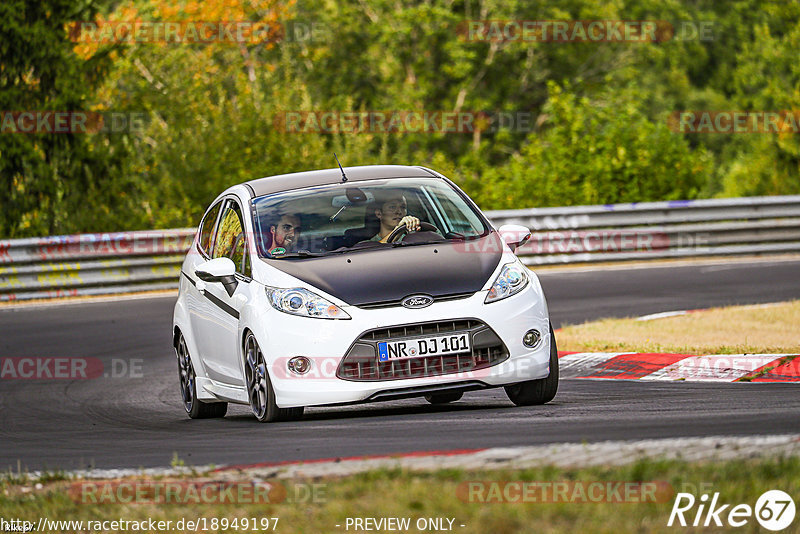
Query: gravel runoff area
x=566 y=455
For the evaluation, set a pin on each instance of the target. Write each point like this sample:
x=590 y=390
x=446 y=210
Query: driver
x=392 y=213
x=284 y=234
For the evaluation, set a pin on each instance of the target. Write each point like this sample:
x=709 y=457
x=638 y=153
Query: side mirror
x=218 y=270
x=514 y=235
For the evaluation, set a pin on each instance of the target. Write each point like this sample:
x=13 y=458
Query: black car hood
x=390 y=274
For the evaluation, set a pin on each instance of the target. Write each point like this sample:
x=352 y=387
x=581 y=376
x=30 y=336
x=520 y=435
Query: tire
x=534 y=392
x=444 y=398
x=195 y=408
x=259 y=387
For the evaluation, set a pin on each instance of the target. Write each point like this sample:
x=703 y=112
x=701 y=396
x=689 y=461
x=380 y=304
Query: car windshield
x=346 y=217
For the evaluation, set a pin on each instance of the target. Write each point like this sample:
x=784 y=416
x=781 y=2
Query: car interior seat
x=371 y=227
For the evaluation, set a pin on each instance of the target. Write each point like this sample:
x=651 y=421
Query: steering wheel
x=400 y=231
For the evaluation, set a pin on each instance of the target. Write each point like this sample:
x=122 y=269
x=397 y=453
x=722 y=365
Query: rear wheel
x=195 y=408
x=444 y=398
x=539 y=391
x=259 y=387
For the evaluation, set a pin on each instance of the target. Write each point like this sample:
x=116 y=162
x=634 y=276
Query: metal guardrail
x=658 y=230
x=91 y=264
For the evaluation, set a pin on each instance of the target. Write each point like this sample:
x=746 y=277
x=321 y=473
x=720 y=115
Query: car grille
x=361 y=361
x=399 y=302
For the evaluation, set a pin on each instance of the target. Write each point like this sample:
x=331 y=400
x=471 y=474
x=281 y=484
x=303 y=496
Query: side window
x=460 y=218
x=207 y=227
x=231 y=241
x=418 y=206
x=246 y=264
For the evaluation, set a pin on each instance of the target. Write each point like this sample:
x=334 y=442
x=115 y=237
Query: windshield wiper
x=300 y=254
x=413 y=244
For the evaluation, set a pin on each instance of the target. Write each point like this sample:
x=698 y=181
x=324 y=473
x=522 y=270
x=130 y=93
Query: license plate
x=427 y=346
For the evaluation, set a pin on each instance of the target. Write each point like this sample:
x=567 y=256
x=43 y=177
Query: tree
x=596 y=151
x=47 y=179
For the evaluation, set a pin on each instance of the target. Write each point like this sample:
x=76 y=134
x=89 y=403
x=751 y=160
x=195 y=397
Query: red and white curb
x=683 y=367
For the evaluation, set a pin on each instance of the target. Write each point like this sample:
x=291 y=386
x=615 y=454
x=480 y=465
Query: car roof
x=298 y=180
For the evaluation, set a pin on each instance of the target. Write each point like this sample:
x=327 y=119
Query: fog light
x=299 y=365
x=531 y=338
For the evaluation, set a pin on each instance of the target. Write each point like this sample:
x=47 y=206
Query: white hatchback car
x=355 y=285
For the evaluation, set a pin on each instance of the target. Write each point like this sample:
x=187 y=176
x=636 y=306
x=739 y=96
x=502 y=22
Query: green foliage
x=594 y=152
x=497 y=503
x=47 y=180
x=599 y=110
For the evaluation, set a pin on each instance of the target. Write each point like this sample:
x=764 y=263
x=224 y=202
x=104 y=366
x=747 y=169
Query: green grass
x=399 y=493
x=20 y=477
x=755 y=329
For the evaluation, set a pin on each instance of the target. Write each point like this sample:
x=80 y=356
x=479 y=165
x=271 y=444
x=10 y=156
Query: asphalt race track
x=139 y=422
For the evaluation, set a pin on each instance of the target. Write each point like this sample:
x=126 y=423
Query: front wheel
x=540 y=391
x=259 y=387
x=194 y=407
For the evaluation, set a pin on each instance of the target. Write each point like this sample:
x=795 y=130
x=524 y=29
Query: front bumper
x=325 y=342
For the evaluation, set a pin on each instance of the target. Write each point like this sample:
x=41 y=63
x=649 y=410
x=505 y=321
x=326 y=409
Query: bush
x=596 y=152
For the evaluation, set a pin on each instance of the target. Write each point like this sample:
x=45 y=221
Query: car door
x=201 y=310
x=216 y=321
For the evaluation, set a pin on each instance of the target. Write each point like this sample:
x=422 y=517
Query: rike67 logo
x=774 y=510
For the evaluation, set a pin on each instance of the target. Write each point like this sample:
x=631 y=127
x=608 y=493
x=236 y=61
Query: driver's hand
x=410 y=222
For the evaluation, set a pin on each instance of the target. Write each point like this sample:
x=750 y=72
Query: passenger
x=284 y=234
x=392 y=211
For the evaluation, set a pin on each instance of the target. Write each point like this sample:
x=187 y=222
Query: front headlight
x=299 y=301
x=511 y=280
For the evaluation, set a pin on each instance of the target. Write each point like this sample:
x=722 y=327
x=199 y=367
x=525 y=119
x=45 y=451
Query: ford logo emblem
x=417 y=301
